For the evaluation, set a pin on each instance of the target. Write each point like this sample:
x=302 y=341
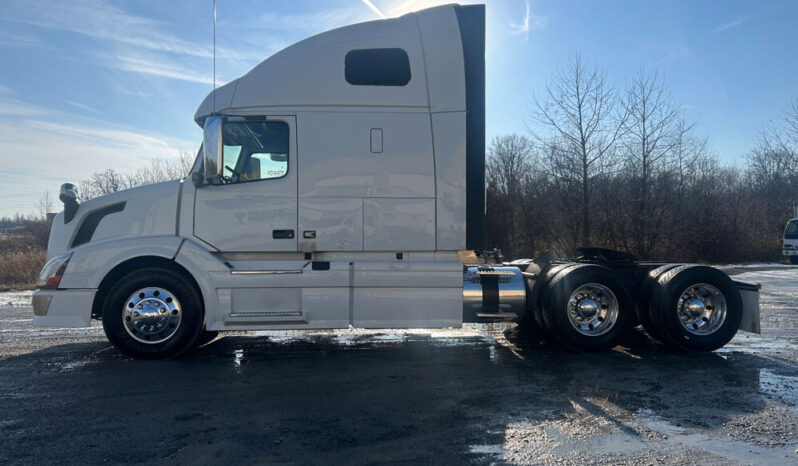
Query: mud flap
x=749 y=292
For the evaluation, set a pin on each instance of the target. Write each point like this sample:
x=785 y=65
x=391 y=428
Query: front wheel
x=153 y=313
x=794 y=260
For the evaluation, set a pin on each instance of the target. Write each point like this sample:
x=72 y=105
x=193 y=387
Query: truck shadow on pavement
x=374 y=399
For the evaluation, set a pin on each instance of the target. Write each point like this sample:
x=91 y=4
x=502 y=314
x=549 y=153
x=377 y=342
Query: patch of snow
x=755 y=266
x=15 y=298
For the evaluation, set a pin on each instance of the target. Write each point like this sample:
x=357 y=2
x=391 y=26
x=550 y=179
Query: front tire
x=794 y=260
x=588 y=308
x=153 y=313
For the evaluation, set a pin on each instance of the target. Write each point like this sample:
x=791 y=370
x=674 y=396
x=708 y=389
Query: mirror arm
x=198 y=179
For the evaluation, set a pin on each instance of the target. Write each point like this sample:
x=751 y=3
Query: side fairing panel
x=450 y=178
x=357 y=198
x=443 y=53
x=336 y=158
x=336 y=223
x=399 y=224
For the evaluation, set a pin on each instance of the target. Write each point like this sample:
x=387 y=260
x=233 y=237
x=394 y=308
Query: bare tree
x=507 y=171
x=579 y=114
x=653 y=132
x=791 y=121
x=46 y=204
x=153 y=171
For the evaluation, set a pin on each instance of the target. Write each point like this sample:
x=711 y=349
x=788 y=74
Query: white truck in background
x=341 y=182
x=789 y=241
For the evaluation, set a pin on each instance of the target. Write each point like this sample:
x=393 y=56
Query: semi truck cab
x=341 y=182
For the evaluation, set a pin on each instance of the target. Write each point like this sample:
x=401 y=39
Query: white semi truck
x=341 y=182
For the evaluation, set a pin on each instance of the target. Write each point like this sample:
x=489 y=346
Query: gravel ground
x=480 y=394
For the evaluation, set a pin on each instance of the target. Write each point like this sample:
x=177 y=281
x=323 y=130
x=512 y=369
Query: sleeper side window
x=254 y=151
x=377 y=67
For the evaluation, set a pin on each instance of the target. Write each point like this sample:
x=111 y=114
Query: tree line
x=622 y=167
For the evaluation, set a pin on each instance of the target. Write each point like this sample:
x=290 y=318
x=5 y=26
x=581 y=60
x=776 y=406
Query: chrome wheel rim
x=593 y=309
x=151 y=315
x=702 y=309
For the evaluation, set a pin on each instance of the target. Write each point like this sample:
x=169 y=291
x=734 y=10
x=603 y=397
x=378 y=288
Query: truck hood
x=141 y=211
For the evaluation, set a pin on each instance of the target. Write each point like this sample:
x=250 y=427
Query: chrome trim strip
x=264 y=272
x=267 y=314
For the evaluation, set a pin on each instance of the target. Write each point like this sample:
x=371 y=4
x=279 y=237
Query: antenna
x=214 y=56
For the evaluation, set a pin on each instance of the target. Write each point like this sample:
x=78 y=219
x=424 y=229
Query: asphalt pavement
x=482 y=394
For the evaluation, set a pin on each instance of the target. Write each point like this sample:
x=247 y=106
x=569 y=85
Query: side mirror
x=212 y=149
x=69 y=196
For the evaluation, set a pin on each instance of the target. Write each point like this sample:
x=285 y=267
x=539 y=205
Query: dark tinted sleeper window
x=377 y=67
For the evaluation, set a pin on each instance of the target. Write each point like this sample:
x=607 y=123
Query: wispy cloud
x=740 y=20
x=98 y=19
x=312 y=22
x=140 y=64
x=679 y=52
x=83 y=107
x=15 y=39
x=529 y=21
x=41 y=150
x=10 y=107
x=125 y=38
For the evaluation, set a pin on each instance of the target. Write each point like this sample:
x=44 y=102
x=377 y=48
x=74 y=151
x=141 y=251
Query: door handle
x=283 y=234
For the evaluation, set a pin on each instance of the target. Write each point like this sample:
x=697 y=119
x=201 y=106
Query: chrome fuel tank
x=493 y=293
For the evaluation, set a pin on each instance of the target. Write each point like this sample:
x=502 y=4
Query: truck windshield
x=791 y=232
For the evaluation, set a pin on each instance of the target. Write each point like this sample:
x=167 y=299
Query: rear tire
x=696 y=308
x=643 y=305
x=153 y=313
x=541 y=318
x=588 y=307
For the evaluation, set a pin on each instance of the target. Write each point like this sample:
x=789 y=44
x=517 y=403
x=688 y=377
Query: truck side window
x=377 y=67
x=254 y=150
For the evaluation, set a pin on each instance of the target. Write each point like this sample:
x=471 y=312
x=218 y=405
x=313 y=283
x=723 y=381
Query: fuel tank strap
x=490 y=292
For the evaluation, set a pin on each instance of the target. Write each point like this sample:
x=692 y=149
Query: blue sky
x=87 y=85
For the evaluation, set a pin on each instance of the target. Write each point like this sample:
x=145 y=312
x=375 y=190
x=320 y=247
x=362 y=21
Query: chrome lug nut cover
x=151 y=315
x=593 y=309
x=701 y=309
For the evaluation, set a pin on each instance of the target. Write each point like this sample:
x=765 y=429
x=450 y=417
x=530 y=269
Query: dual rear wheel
x=589 y=307
x=692 y=307
x=585 y=307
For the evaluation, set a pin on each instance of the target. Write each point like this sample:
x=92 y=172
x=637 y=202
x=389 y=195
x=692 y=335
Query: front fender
x=89 y=264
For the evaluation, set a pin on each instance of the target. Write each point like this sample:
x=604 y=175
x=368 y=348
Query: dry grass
x=21 y=260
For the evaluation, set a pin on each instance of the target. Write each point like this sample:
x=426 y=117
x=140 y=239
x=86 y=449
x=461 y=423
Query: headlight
x=50 y=276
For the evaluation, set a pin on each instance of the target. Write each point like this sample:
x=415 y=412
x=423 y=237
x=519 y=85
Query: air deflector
x=471 y=20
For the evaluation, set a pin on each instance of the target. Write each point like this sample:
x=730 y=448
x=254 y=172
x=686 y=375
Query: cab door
x=252 y=205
